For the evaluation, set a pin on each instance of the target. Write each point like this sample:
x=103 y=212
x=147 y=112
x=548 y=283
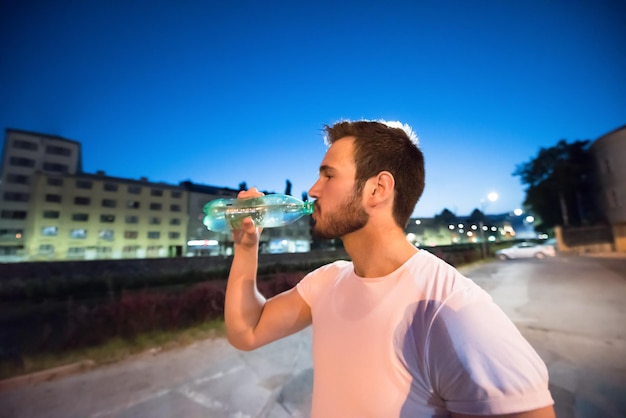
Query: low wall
x=152 y=266
x=583 y=240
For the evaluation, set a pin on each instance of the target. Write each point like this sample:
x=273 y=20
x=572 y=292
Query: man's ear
x=381 y=186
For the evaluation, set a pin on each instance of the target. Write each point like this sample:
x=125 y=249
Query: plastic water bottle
x=269 y=211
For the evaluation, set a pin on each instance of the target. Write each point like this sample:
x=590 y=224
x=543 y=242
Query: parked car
x=527 y=249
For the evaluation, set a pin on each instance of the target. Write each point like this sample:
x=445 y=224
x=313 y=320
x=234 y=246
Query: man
x=396 y=332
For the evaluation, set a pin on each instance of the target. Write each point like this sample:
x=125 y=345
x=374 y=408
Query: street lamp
x=491 y=197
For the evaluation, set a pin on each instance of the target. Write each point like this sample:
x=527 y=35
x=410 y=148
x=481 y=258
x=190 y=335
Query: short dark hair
x=380 y=147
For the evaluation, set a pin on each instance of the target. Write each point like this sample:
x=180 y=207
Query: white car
x=526 y=250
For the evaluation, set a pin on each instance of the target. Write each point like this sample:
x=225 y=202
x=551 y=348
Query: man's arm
x=547 y=412
x=251 y=320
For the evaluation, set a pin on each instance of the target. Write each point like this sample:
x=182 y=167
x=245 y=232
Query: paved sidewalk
x=207 y=377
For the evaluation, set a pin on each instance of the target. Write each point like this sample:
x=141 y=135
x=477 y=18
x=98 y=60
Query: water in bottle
x=267 y=211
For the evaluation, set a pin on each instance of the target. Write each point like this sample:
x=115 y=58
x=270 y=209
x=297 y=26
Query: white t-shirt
x=419 y=342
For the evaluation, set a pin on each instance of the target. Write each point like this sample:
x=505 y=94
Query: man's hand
x=247 y=236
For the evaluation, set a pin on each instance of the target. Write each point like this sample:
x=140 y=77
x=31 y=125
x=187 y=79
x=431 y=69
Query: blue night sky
x=225 y=92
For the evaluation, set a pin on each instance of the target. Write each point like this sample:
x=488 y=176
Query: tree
x=243 y=186
x=288 y=188
x=446 y=217
x=560 y=185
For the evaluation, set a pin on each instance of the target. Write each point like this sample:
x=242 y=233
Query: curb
x=46 y=375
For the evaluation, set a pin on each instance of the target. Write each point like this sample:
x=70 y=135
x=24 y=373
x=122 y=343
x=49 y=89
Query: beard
x=348 y=218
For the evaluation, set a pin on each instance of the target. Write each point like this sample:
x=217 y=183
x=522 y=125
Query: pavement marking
x=184 y=389
x=128 y=405
x=218 y=375
x=199 y=398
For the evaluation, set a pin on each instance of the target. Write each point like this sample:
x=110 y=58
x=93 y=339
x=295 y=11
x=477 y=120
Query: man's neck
x=376 y=252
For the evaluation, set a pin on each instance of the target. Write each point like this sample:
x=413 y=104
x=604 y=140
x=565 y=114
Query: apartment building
x=201 y=241
x=24 y=155
x=51 y=210
x=94 y=216
x=609 y=152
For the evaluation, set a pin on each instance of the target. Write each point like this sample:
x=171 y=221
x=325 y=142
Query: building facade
x=24 y=155
x=51 y=210
x=609 y=152
x=88 y=217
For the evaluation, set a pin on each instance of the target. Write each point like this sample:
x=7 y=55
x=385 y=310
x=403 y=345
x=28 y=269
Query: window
x=104 y=251
x=11 y=233
x=175 y=208
x=175 y=221
x=11 y=250
x=132 y=204
x=156 y=192
x=21 y=144
x=110 y=187
x=106 y=234
x=54 y=198
x=155 y=206
x=81 y=200
x=107 y=218
x=80 y=217
x=84 y=184
x=176 y=193
x=56 y=150
x=51 y=214
x=153 y=250
x=130 y=219
x=13 y=214
x=109 y=203
x=130 y=234
x=174 y=235
x=55 y=181
x=134 y=189
x=18 y=179
x=46 y=249
x=78 y=233
x=155 y=221
x=130 y=250
x=154 y=234
x=22 y=162
x=75 y=251
x=50 y=231
x=56 y=167
x=16 y=197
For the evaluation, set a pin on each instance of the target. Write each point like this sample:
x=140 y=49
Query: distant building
x=201 y=241
x=609 y=152
x=24 y=156
x=431 y=232
x=51 y=210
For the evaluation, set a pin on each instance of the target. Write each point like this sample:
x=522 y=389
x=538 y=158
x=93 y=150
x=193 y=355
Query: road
x=570 y=308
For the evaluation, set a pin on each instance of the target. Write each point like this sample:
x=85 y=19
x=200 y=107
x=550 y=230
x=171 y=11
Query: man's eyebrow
x=325 y=168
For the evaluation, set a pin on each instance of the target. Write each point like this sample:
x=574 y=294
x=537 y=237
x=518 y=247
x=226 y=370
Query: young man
x=396 y=332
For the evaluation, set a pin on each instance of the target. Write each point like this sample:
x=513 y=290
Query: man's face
x=338 y=208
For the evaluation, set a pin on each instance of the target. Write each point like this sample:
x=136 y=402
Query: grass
x=115 y=349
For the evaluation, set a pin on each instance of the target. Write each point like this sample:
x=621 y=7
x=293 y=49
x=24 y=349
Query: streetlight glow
x=491 y=197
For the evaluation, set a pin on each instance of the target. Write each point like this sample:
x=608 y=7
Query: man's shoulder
x=334 y=268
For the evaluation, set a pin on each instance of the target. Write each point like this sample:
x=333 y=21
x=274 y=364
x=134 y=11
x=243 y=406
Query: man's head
x=380 y=147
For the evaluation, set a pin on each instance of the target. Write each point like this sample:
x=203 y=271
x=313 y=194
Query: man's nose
x=313 y=191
